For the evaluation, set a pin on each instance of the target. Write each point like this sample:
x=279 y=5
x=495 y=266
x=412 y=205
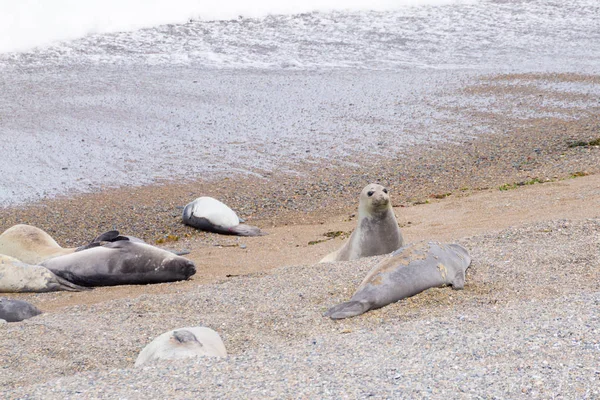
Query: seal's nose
x=380 y=199
x=189 y=269
x=183 y=267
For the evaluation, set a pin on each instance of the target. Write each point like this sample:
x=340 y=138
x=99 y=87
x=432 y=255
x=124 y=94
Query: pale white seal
x=408 y=271
x=30 y=244
x=209 y=214
x=377 y=230
x=183 y=343
x=16 y=276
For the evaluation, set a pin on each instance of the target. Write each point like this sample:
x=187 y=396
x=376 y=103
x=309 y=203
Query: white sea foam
x=26 y=24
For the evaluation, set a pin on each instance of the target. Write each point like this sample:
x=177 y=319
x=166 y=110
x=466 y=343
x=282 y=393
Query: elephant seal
x=16 y=277
x=121 y=263
x=183 y=343
x=16 y=310
x=377 y=231
x=408 y=271
x=31 y=245
x=208 y=214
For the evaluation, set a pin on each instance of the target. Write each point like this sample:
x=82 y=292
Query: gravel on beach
x=527 y=323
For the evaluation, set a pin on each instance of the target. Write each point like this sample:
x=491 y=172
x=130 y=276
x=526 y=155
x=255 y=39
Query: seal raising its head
x=183 y=343
x=408 y=271
x=377 y=231
x=208 y=214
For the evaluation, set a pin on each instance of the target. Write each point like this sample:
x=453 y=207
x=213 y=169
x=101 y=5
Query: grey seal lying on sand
x=16 y=277
x=408 y=271
x=16 y=310
x=183 y=343
x=377 y=231
x=121 y=263
x=208 y=214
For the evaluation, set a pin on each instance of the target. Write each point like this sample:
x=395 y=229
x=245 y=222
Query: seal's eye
x=384 y=190
x=370 y=193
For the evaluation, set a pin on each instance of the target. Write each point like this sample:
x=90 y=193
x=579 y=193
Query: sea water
x=127 y=92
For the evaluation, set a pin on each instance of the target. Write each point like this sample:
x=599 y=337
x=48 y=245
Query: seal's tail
x=347 y=309
x=65 y=285
x=247 y=230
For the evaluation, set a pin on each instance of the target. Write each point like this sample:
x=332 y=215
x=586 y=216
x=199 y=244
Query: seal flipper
x=110 y=236
x=348 y=309
x=184 y=336
x=179 y=252
x=68 y=286
x=206 y=225
x=247 y=230
x=458 y=283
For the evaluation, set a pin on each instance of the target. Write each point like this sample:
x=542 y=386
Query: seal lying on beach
x=208 y=214
x=121 y=263
x=32 y=245
x=408 y=271
x=17 y=277
x=377 y=231
x=16 y=310
x=183 y=343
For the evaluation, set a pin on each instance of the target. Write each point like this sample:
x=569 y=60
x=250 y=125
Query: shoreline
x=537 y=150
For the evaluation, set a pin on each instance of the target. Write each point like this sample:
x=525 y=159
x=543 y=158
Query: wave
x=26 y=24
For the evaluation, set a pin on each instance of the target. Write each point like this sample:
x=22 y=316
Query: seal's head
x=374 y=199
x=180 y=266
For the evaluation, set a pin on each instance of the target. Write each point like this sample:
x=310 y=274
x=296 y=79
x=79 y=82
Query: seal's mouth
x=380 y=202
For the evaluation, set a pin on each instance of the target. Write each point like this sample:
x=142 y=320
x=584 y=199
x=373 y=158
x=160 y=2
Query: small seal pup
x=17 y=277
x=183 y=343
x=16 y=310
x=408 y=271
x=208 y=214
x=121 y=263
x=377 y=231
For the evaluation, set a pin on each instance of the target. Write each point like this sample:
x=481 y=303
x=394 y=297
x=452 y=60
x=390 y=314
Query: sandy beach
x=525 y=203
x=526 y=323
x=482 y=118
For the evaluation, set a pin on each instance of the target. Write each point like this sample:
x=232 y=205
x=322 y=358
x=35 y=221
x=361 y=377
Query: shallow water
x=207 y=98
